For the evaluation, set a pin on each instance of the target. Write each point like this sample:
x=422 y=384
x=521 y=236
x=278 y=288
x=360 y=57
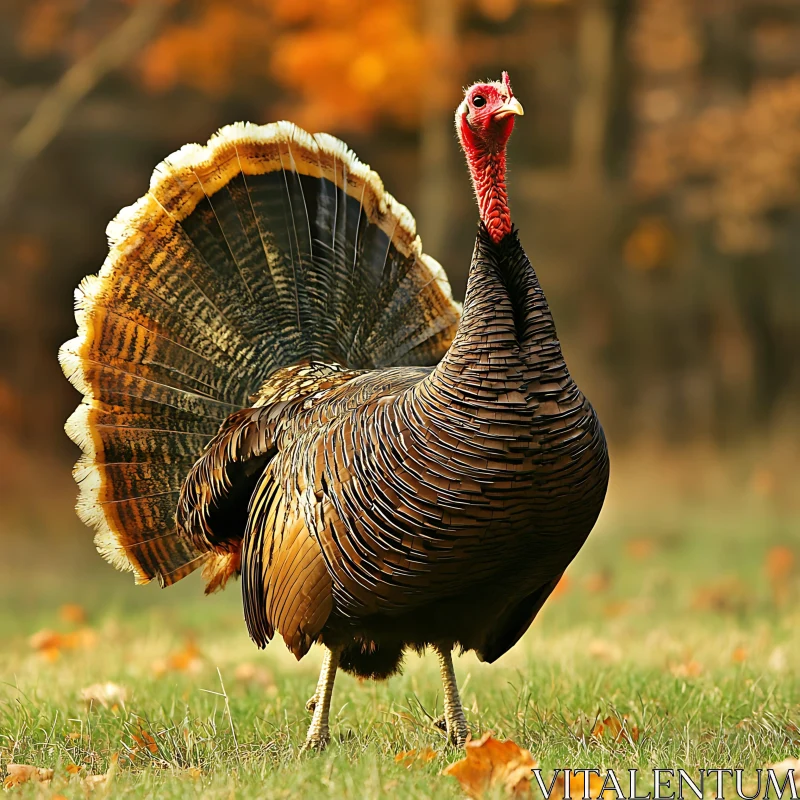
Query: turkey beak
x=511 y=106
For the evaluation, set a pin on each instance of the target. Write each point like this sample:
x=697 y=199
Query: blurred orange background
x=655 y=179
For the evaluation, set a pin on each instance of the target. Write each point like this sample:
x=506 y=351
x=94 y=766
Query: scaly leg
x=455 y=721
x=318 y=734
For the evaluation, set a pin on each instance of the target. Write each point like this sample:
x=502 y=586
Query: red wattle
x=487 y=167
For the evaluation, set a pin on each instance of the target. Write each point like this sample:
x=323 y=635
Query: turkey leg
x=318 y=733
x=455 y=721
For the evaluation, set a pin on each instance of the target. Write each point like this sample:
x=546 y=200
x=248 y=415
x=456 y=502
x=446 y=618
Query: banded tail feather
x=267 y=247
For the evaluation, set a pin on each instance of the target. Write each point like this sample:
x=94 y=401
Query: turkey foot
x=455 y=723
x=319 y=735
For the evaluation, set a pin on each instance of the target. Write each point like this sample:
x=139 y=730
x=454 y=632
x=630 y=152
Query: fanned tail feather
x=265 y=248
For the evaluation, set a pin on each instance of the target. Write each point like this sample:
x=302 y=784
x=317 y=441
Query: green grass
x=655 y=643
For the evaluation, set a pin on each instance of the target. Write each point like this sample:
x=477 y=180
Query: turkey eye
x=478 y=101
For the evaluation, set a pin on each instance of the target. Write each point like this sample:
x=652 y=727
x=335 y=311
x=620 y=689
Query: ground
x=679 y=619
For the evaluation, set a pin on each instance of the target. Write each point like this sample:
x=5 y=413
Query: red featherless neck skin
x=484 y=122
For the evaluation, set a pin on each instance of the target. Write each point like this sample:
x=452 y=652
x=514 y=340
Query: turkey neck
x=487 y=168
x=506 y=333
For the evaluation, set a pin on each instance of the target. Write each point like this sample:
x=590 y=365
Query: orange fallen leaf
x=598 y=582
x=739 y=655
x=640 y=549
x=22 y=773
x=616 y=608
x=779 y=566
x=688 y=669
x=604 y=651
x=73 y=769
x=105 y=780
x=617 y=729
x=409 y=758
x=106 y=694
x=492 y=764
x=251 y=674
x=187 y=659
x=562 y=587
x=142 y=740
x=72 y=613
x=49 y=643
x=727 y=595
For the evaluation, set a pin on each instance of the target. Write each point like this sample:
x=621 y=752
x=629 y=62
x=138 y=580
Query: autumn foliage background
x=655 y=178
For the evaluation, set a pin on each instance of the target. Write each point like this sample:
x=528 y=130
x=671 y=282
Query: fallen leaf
x=410 y=758
x=640 y=549
x=492 y=764
x=598 y=582
x=49 y=643
x=687 y=669
x=72 y=613
x=145 y=740
x=187 y=659
x=616 y=608
x=739 y=655
x=106 y=694
x=728 y=595
x=779 y=565
x=73 y=769
x=617 y=729
x=92 y=782
x=22 y=773
x=604 y=651
x=562 y=587
x=251 y=674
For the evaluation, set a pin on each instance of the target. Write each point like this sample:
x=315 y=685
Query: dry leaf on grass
x=104 y=781
x=251 y=674
x=620 y=730
x=141 y=740
x=562 y=587
x=22 y=773
x=604 y=651
x=687 y=669
x=187 y=659
x=739 y=655
x=72 y=614
x=598 y=582
x=779 y=565
x=108 y=695
x=640 y=549
x=728 y=595
x=49 y=644
x=492 y=764
x=410 y=758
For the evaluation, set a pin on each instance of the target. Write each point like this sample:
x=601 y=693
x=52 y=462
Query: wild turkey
x=277 y=383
